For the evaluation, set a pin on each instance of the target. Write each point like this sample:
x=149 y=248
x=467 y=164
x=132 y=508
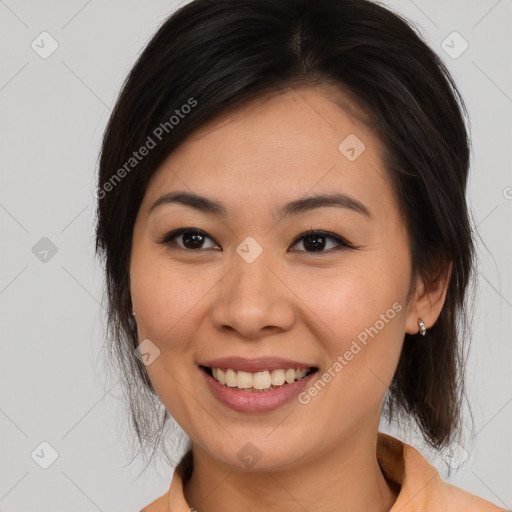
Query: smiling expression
x=244 y=278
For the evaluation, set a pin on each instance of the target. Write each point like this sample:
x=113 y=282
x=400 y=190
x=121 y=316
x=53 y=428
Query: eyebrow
x=209 y=206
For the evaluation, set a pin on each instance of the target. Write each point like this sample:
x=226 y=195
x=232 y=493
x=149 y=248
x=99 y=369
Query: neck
x=347 y=479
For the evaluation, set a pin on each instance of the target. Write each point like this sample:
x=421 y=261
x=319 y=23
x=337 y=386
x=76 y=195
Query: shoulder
x=174 y=499
x=421 y=486
x=459 y=499
x=436 y=494
x=159 y=505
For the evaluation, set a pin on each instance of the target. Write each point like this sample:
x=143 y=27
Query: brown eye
x=193 y=239
x=187 y=238
x=320 y=241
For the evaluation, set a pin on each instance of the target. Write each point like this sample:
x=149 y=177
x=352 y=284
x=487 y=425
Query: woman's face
x=251 y=286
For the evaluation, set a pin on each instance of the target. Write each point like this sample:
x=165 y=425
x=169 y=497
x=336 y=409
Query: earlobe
x=427 y=303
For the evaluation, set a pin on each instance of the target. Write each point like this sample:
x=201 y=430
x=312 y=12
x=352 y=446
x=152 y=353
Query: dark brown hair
x=216 y=55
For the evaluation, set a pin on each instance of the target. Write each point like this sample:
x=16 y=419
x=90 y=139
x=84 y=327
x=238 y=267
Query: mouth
x=257 y=382
x=257 y=385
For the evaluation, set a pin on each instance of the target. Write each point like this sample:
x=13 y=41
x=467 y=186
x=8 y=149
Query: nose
x=253 y=300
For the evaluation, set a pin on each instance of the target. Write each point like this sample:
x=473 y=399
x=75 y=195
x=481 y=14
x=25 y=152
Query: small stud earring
x=133 y=313
x=423 y=329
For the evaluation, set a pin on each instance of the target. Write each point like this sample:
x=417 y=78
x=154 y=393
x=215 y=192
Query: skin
x=200 y=304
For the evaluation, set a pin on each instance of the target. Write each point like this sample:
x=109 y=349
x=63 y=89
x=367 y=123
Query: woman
x=282 y=214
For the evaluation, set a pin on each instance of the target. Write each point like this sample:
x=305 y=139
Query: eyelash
x=168 y=239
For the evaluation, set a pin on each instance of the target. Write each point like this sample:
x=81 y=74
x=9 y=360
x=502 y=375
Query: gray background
x=54 y=387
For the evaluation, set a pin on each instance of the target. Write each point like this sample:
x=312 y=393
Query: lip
x=254 y=401
x=255 y=365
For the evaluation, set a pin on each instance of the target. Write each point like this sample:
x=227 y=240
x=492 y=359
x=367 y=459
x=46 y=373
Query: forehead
x=289 y=142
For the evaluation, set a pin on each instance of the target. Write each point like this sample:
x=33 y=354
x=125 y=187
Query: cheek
x=360 y=317
x=361 y=330
x=167 y=302
x=165 y=298
x=347 y=302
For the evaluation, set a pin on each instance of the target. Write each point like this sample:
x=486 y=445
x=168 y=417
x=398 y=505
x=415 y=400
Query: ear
x=428 y=301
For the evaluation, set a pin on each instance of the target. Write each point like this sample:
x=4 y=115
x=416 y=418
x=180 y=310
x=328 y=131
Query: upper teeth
x=257 y=380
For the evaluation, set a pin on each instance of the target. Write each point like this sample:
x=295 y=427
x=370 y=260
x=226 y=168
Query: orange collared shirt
x=421 y=487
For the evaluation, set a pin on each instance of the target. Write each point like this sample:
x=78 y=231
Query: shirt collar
x=402 y=465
